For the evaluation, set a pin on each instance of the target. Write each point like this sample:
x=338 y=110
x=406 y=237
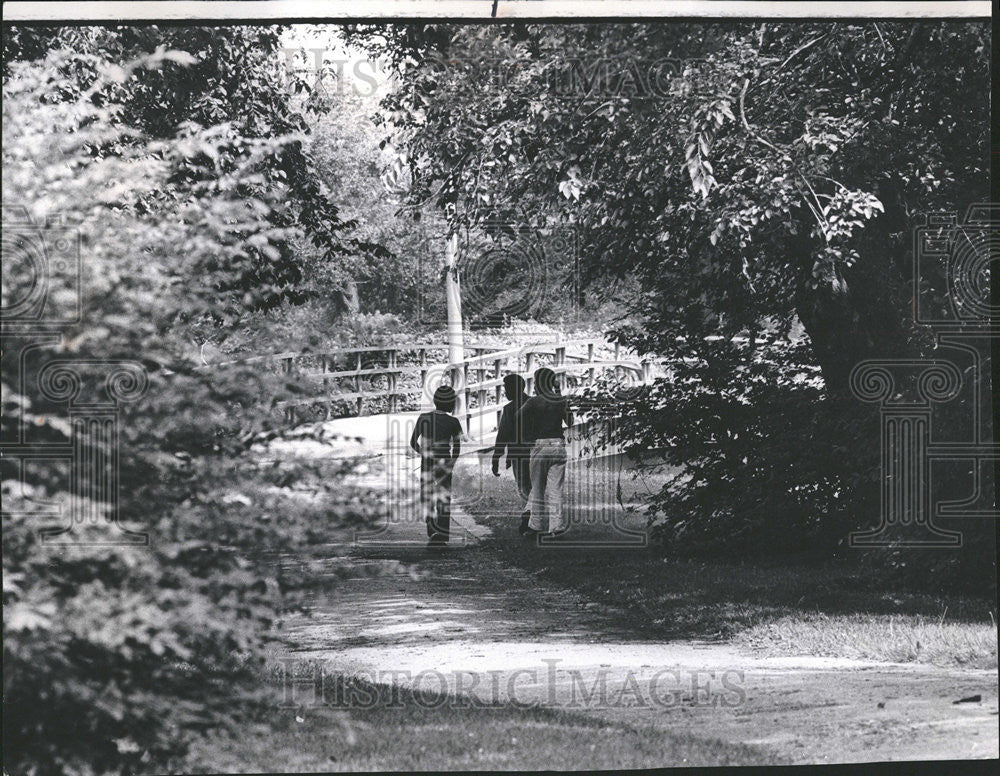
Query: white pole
x=453 y=300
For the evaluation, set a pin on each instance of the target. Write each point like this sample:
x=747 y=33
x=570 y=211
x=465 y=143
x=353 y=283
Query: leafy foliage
x=116 y=655
x=740 y=429
x=754 y=180
x=772 y=172
x=229 y=79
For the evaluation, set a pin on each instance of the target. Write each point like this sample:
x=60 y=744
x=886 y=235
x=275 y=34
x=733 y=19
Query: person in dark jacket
x=542 y=418
x=511 y=439
x=441 y=434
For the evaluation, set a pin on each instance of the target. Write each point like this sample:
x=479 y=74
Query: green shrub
x=116 y=655
x=765 y=465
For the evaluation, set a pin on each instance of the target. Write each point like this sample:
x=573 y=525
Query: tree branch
x=746 y=125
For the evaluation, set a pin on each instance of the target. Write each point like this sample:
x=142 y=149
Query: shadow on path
x=457 y=620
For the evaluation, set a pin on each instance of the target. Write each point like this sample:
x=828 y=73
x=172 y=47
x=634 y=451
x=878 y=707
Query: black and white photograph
x=499 y=385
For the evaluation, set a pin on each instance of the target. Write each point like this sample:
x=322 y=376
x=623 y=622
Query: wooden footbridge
x=400 y=378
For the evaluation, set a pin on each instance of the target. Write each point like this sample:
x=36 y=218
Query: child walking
x=437 y=438
x=512 y=440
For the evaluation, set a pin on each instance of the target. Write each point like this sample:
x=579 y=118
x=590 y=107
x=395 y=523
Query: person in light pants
x=542 y=418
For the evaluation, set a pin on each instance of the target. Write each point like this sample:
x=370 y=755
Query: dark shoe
x=525 y=516
x=529 y=533
x=554 y=534
x=438 y=540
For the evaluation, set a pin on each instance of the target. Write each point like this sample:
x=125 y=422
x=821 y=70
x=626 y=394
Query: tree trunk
x=839 y=340
x=351 y=298
x=453 y=301
x=867 y=314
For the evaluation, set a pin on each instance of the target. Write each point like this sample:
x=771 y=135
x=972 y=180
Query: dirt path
x=457 y=621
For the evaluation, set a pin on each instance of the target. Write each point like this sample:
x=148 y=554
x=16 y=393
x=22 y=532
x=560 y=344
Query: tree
x=117 y=654
x=346 y=156
x=745 y=173
x=225 y=77
x=758 y=181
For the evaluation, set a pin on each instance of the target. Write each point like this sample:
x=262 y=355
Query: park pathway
x=458 y=621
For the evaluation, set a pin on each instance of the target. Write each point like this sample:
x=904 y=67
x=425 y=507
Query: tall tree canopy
x=747 y=174
x=232 y=78
x=184 y=194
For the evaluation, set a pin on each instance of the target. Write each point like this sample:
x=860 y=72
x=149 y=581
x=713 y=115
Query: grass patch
x=394 y=729
x=833 y=609
x=903 y=639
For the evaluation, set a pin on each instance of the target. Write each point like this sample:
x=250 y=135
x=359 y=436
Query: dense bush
x=116 y=654
x=764 y=465
x=741 y=424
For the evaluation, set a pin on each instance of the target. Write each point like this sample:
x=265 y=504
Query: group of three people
x=530 y=434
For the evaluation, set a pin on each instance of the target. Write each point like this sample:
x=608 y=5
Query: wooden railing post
x=359 y=402
x=391 y=381
x=592 y=374
x=480 y=378
x=498 y=389
x=529 y=368
x=423 y=374
x=454 y=373
x=466 y=391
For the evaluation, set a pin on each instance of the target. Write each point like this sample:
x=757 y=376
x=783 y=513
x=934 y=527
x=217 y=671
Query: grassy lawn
x=393 y=729
x=902 y=639
x=778 y=609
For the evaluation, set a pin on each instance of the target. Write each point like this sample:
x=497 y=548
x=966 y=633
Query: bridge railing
x=395 y=378
x=480 y=377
